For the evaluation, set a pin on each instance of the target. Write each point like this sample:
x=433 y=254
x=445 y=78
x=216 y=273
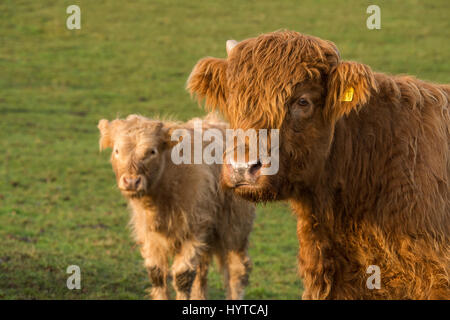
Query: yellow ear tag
x=348 y=94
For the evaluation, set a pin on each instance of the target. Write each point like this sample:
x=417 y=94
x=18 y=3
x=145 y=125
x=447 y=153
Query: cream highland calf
x=178 y=210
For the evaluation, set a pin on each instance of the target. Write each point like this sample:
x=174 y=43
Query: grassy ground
x=58 y=201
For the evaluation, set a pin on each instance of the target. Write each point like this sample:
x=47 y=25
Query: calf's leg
x=237 y=267
x=184 y=268
x=155 y=257
x=200 y=286
x=158 y=279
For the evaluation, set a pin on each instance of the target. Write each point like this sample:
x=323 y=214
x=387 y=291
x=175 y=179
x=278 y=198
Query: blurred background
x=59 y=205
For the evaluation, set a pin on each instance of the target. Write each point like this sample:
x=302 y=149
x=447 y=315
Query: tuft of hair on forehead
x=264 y=71
x=130 y=130
x=137 y=129
x=252 y=85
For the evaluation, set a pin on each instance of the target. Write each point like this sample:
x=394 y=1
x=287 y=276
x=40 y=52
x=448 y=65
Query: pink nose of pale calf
x=242 y=174
x=130 y=183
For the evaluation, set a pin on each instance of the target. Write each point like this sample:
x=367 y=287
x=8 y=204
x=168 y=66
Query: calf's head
x=287 y=81
x=137 y=157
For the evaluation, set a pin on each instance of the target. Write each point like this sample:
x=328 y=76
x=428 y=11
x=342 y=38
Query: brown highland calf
x=178 y=210
x=364 y=162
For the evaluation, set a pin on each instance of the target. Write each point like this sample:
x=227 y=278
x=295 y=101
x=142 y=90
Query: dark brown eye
x=153 y=151
x=301 y=108
x=117 y=151
x=302 y=102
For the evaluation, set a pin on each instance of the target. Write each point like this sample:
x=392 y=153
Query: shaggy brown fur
x=178 y=210
x=369 y=179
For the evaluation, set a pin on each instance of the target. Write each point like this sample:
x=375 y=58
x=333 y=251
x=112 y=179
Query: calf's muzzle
x=131 y=183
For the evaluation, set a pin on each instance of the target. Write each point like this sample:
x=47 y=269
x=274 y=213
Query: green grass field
x=59 y=205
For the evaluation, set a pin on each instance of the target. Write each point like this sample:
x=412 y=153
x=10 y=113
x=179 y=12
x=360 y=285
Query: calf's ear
x=350 y=85
x=167 y=131
x=208 y=81
x=105 y=134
